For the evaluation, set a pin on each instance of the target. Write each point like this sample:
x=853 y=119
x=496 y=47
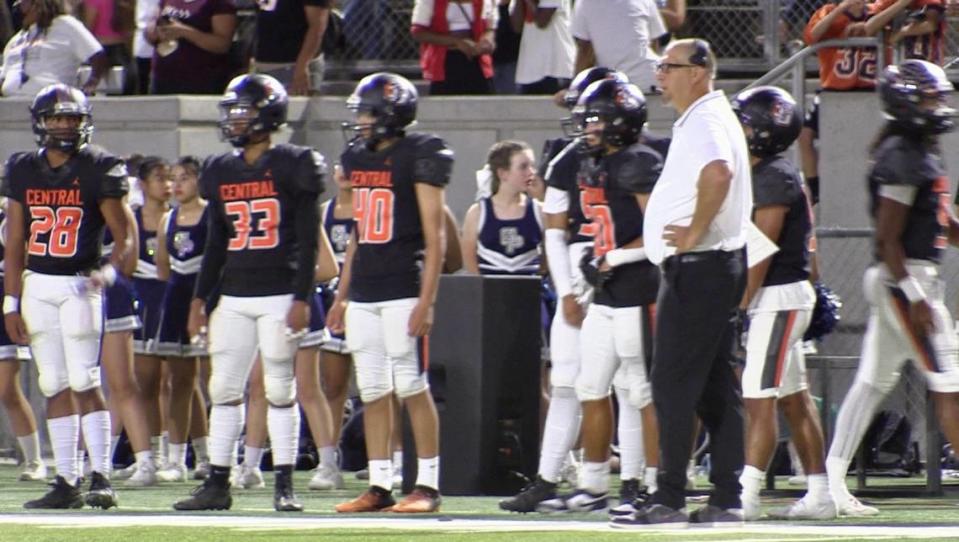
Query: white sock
x=30 y=446
x=398 y=461
x=144 y=457
x=853 y=421
x=96 y=434
x=156 y=447
x=284 y=427
x=428 y=472
x=200 y=451
x=649 y=479
x=381 y=473
x=817 y=487
x=560 y=432
x=114 y=440
x=226 y=424
x=252 y=456
x=328 y=457
x=836 y=468
x=64 y=435
x=752 y=481
x=164 y=444
x=176 y=454
x=630 y=432
x=594 y=477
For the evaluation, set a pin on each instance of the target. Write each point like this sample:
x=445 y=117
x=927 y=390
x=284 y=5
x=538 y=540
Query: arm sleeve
x=307 y=226
x=557 y=257
x=214 y=253
x=433 y=163
x=556 y=201
x=7 y=188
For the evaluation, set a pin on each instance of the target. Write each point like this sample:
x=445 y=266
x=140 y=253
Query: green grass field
x=146 y=514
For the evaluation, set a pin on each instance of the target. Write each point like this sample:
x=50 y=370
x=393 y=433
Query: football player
x=616 y=175
x=180 y=243
x=909 y=203
x=390 y=277
x=779 y=299
x=18 y=409
x=565 y=241
x=60 y=197
x=261 y=250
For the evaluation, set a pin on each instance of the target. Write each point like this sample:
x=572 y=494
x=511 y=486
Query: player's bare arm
x=430 y=201
x=470 y=237
x=334 y=320
x=890 y=223
x=769 y=220
x=115 y=214
x=13 y=263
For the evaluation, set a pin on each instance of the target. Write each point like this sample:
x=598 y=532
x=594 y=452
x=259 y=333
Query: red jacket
x=433 y=56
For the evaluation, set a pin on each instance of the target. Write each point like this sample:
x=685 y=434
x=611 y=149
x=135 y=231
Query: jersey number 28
x=61 y=226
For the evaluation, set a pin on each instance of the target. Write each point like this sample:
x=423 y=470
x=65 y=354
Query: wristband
x=619 y=256
x=11 y=304
x=912 y=289
x=109 y=274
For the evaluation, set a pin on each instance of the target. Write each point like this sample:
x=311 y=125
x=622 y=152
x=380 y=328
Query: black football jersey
x=776 y=181
x=898 y=160
x=61 y=207
x=608 y=189
x=388 y=257
x=559 y=168
x=258 y=239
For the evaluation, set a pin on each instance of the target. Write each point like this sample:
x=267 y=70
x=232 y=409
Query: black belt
x=703 y=256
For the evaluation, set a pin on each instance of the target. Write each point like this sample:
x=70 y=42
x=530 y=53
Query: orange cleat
x=374 y=499
x=423 y=500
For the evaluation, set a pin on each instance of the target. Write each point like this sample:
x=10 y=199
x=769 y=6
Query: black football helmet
x=774 y=117
x=259 y=101
x=586 y=78
x=61 y=100
x=619 y=105
x=390 y=98
x=914 y=97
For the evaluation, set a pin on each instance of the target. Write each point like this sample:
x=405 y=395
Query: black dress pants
x=692 y=374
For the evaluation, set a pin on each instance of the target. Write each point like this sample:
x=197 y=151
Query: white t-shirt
x=620 y=32
x=147 y=12
x=707 y=131
x=546 y=52
x=53 y=57
x=423 y=12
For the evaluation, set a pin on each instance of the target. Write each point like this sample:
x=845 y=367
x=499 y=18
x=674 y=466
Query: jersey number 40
x=373 y=212
x=54 y=232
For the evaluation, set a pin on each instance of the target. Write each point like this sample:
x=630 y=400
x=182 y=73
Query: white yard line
x=459 y=525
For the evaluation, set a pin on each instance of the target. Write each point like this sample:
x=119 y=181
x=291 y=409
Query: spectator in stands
x=112 y=24
x=673 y=13
x=146 y=13
x=842 y=68
x=922 y=35
x=456 y=40
x=546 y=50
x=191 y=40
x=289 y=34
x=49 y=49
x=507 y=41
x=618 y=34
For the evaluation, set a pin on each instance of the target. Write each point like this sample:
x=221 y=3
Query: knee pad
x=83 y=378
x=408 y=379
x=52 y=380
x=374 y=378
x=225 y=390
x=564 y=353
x=278 y=383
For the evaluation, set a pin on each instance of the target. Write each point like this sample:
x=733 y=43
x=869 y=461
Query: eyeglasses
x=666 y=67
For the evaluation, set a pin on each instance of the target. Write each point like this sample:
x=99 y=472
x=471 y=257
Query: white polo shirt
x=546 y=52
x=706 y=132
x=620 y=32
x=47 y=58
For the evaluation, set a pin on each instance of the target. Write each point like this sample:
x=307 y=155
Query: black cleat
x=209 y=495
x=632 y=497
x=283 y=498
x=528 y=499
x=101 y=494
x=62 y=496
